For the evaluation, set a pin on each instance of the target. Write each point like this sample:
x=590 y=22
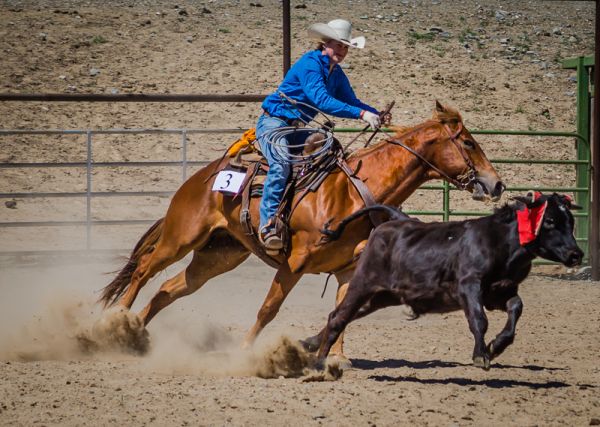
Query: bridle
x=463 y=181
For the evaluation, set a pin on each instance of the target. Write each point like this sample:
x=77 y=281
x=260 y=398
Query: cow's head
x=551 y=233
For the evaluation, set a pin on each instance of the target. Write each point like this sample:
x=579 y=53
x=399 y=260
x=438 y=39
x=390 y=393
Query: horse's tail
x=330 y=235
x=116 y=288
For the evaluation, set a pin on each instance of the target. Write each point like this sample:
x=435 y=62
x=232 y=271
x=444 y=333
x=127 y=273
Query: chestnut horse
x=208 y=223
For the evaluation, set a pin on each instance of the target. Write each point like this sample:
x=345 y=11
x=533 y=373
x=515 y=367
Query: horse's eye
x=469 y=144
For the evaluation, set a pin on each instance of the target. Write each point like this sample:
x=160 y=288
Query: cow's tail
x=116 y=288
x=330 y=235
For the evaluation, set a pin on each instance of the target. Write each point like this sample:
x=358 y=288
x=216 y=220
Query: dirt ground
x=497 y=62
x=406 y=372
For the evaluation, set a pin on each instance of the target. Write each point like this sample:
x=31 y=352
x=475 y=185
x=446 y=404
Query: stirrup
x=270 y=239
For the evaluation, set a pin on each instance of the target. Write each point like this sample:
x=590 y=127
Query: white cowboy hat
x=338 y=29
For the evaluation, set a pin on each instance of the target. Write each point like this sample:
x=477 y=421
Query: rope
x=281 y=139
x=286 y=152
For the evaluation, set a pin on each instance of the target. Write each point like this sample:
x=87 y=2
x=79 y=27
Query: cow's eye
x=469 y=144
x=549 y=223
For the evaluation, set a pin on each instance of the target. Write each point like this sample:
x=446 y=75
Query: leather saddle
x=246 y=158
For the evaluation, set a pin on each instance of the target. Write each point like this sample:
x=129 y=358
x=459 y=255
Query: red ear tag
x=529 y=222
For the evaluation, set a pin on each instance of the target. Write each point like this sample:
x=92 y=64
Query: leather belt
x=290 y=122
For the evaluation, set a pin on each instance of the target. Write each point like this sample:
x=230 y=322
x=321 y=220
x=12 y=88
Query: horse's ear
x=439 y=107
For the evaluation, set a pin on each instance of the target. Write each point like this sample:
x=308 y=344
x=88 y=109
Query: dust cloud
x=50 y=313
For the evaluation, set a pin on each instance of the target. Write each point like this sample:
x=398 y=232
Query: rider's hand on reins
x=372 y=119
x=386 y=118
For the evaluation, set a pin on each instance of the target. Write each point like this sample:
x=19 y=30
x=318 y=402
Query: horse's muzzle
x=482 y=189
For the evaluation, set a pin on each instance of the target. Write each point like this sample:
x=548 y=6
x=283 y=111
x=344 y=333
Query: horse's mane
x=445 y=115
x=399 y=131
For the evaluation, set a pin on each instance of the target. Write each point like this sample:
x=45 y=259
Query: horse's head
x=457 y=155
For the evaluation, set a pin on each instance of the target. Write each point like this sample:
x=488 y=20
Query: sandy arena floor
x=497 y=62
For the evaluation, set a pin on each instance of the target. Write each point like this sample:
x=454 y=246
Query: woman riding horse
x=316 y=80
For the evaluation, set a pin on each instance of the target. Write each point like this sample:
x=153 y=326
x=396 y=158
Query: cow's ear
x=526 y=200
x=439 y=107
x=567 y=201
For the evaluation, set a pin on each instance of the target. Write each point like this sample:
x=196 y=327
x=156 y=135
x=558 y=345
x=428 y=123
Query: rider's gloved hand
x=372 y=119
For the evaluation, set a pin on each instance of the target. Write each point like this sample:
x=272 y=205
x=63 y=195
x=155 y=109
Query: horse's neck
x=391 y=172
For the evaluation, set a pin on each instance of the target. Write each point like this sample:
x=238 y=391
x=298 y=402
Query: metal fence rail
x=89 y=164
x=184 y=163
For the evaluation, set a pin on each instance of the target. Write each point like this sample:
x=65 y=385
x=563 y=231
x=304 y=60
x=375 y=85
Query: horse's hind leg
x=221 y=254
x=150 y=264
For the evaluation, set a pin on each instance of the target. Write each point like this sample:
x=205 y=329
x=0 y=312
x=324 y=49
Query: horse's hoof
x=482 y=362
x=118 y=329
x=341 y=361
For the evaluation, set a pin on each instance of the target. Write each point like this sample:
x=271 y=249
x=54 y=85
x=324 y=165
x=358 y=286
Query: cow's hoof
x=325 y=370
x=320 y=365
x=311 y=344
x=409 y=313
x=490 y=349
x=482 y=362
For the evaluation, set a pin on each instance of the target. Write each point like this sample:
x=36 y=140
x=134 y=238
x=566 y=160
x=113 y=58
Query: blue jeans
x=279 y=172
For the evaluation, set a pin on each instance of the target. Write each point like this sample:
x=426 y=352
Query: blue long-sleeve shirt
x=309 y=81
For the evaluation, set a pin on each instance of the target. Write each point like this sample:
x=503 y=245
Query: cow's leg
x=313 y=343
x=282 y=284
x=381 y=299
x=514 y=308
x=339 y=318
x=375 y=302
x=470 y=296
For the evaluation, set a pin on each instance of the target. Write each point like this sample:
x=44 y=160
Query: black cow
x=468 y=265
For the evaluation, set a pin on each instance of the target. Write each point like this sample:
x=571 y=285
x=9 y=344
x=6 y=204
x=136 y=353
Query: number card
x=228 y=182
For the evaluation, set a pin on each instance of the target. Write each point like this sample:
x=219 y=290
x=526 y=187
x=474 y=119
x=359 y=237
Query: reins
x=464 y=180
x=383 y=113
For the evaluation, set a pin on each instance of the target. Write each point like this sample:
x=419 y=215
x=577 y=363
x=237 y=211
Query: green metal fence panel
x=582 y=65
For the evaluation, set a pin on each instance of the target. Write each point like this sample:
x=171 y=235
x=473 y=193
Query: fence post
x=184 y=154
x=446 y=201
x=583 y=148
x=88 y=192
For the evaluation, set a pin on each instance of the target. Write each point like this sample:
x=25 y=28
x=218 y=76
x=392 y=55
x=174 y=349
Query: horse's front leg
x=469 y=290
x=338 y=347
x=514 y=309
x=281 y=286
